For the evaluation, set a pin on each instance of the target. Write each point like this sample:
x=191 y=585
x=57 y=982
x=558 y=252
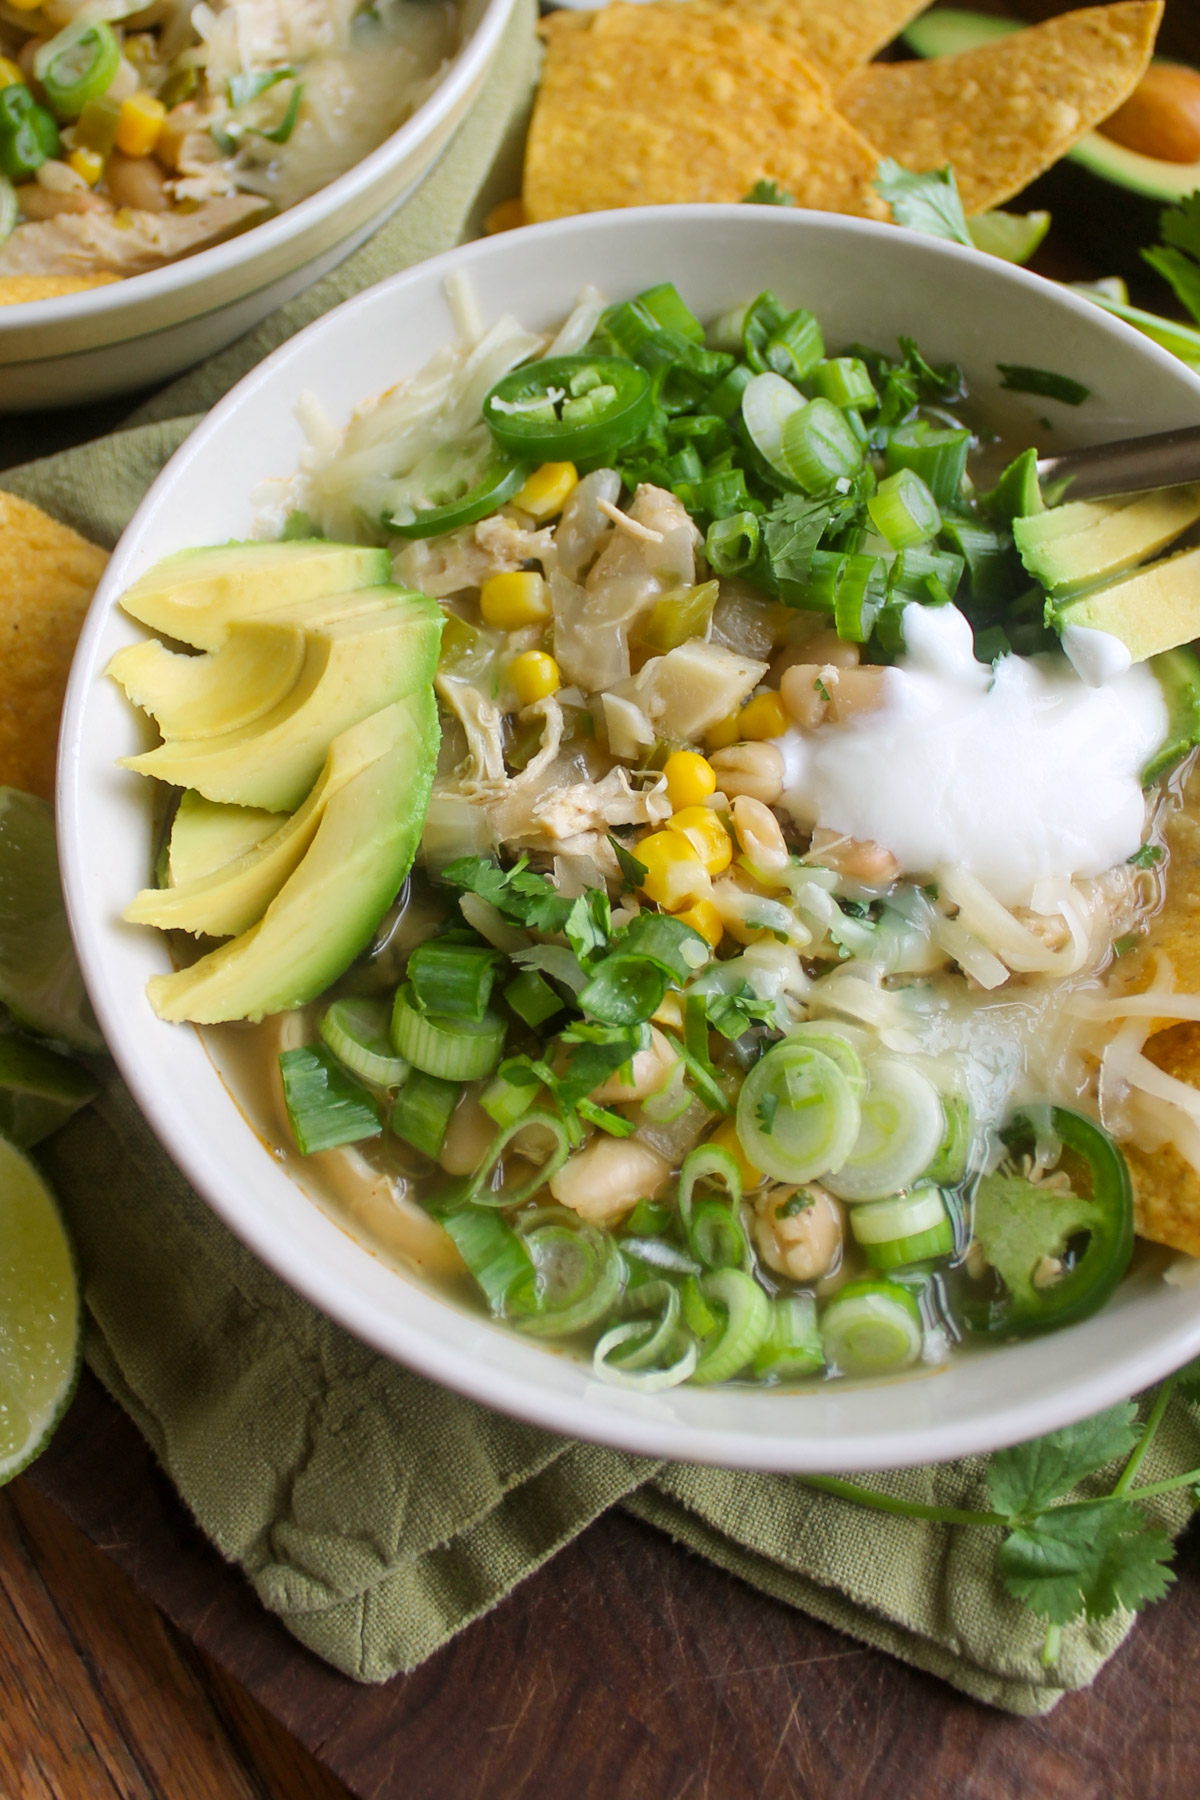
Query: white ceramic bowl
x=865 y=281
x=136 y=332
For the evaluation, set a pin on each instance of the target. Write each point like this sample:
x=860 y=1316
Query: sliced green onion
x=421 y=1111
x=578 y=1273
x=649 y=1296
x=357 y=1033
x=872 y=1328
x=492 y=1251
x=921 y=573
x=672 y=1100
x=663 y=303
x=698 y=1315
x=860 y=594
x=949 y=1166
x=326 y=1106
x=767 y=404
x=452 y=981
x=797 y=1114
x=714 y=1228
x=532 y=998
x=731 y=544
x=479 y=1193
x=506 y=1101
x=279 y=134
x=9 y=210
x=819 y=448
x=456 y=1049
x=911 y=1228
x=725 y=333
x=795 y=349
x=760 y=321
x=989 y=557
x=938 y=457
x=657 y=1254
x=641 y=1381
x=901 y=1127
x=726 y=397
x=834 y=1042
x=793 y=1344
x=648 y=1218
x=78 y=65
x=845 y=380
x=740 y=1337
x=904 y=511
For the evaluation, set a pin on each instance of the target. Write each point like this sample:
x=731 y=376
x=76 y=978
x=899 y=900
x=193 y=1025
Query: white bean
x=607 y=1178
x=803 y=1243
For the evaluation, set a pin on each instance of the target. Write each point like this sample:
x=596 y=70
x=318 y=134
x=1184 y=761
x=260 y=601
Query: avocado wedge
x=1154 y=609
x=195 y=594
x=223 y=690
x=1074 y=546
x=351 y=669
x=1178 y=673
x=206 y=836
x=324 y=915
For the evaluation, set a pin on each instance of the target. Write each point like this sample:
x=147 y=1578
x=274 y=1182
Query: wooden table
x=625 y=1669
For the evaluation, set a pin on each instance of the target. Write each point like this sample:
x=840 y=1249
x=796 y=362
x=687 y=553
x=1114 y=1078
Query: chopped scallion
x=421 y=1111
x=904 y=511
x=326 y=1105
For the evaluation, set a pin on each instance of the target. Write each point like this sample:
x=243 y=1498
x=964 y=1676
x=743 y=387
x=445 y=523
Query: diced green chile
x=566 y=415
x=1089 y=1277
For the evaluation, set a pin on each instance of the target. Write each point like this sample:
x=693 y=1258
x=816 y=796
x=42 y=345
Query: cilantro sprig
x=1067 y=1558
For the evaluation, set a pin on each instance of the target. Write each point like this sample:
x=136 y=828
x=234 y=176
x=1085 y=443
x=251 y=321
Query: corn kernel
x=725 y=1137
x=764 y=717
x=535 y=676
x=704 y=918
x=10 y=75
x=518 y=598
x=707 y=836
x=675 y=876
x=139 y=124
x=724 y=732
x=25 y=5
x=87 y=163
x=670 y=1009
x=547 y=490
x=690 y=779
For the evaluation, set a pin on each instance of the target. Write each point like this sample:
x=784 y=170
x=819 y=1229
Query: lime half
x=40 y=981
x=40 y=1333
x=39 y=1090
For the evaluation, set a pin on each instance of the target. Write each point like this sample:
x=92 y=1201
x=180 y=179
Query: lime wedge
x=40 y=981
x=40 y=1325
x=1013 y=237
x=39 y=1090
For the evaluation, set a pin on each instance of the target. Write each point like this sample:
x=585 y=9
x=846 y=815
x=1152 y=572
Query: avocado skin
x=1178 y=672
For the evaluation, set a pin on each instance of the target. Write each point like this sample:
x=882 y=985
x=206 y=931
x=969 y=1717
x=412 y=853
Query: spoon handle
x=1128 y=466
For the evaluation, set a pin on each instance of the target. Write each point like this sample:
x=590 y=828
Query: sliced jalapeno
x=77 y=66
x=502 y=478
x=1058 y=1251
x=568 y=407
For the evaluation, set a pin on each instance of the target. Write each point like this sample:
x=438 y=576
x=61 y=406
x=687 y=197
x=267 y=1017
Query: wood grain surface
x=625 y=1670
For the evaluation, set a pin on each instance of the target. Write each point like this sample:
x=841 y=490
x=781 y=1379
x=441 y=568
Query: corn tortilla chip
x=645 y=105
x=834 y=36
x=17 y=290
x=48 y=574
x=1003 y=113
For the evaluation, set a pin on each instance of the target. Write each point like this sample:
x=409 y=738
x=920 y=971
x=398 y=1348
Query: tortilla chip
x=1003 y=113
x=1166 y=1189
x=48 y=574
x=645 y=105
x=16 y=290
x=834 y=36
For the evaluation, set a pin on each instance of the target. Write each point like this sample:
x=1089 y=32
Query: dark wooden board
x=628 y=1669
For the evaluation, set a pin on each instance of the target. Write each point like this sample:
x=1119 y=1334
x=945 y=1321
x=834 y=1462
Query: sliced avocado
x=1178 y=672
x=1071 y=547
x=193 y=595
x=325 y=914
x=351 y=670
x=222 y=690
x=1111 y=226
x=206 y=836
x=232 y=895
x=1154 y=609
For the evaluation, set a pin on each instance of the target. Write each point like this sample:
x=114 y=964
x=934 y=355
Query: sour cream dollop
x=1017 y=772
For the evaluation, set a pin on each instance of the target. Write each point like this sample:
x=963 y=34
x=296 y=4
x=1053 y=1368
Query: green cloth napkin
x=376 y=1513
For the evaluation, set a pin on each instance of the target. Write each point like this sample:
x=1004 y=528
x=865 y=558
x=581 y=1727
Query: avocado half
x=1111 y=222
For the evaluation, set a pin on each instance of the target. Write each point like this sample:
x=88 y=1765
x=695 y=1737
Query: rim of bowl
x=386 y=1329
x=466 y=67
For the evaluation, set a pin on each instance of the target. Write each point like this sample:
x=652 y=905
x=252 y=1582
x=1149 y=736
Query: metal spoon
x=1127 y=466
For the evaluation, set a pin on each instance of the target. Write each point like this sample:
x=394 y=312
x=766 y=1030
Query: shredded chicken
x=126 y=243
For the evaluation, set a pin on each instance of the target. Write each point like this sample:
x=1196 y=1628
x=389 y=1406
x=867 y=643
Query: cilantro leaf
x=595 y=1052
x=519 y=894
x=1025 y=1478
x=1146 y=857
x=791 y=532
x=928 y=203
x=1018 y=1223
x=943 y=382
x=1188 y=1379
x=766 y=1110
x=554 y=960
x=1086 y=1559
x=768 y=193
x=1177 y=260
x=589 y=923
x=633 y=872
x=1020 y=379
x=677 y=949
x=624 y=989
x=734 y=1013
